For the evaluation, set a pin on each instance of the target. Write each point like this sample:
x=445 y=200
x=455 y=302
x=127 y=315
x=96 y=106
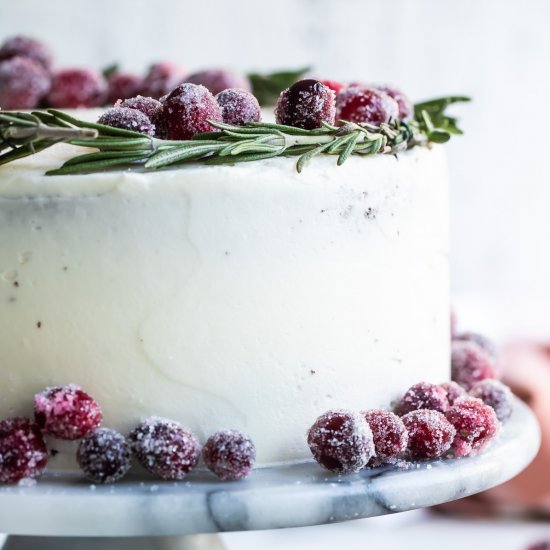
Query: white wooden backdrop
x=496 y=50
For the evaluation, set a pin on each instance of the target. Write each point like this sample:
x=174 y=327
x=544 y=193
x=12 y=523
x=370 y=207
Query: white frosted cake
x=246 y=296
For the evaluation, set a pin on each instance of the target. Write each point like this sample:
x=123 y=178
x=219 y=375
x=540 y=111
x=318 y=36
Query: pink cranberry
x=430 y=434
x=470 y=364
x=454 y=392
x=482 y=341
x=238 y=106
x=497 y=395
x=23 y=83
x=104 y=456
x=24 y=46
x=476 y=425
x=150 y=107
x=66 y=412
x=341 y=441
x=73 y=88
x=333 y=85
x=23 y=452
x=367 y=105
x=229 y=454
x=128 y=119
x=423 y=396
x=187 y=111
x=164 y=448
x=405 y=105
x=161 y=79
x=389 y=434
x=540 y=545
x=306 y=104
x=217 y=80
x=122 y=86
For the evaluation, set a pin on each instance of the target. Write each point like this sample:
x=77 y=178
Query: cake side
x=245 y=296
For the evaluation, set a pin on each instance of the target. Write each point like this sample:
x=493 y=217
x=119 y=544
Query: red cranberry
x=497 y=395
x=306 y=104
x=104 y=456
x=164 y=448
x=187 y=111
x=217 y=80
x=454 y=392
x=482 y=341
x=341 y=441
x=405 y=105
x=128 y=119
x=362 y=104
x=26 y=47
x=540 y=545
x=161 y=79
x=238 y=106
x=229 y=454
x=150 y=107
x=476 y=425
x=430 y=434
x=122 y=86
x=23 y=453
x=389 y=434
x=66 y=412
x=470 y=364
x=73 y=88
x=23 y=83
x=423 y=396
x=333 y=85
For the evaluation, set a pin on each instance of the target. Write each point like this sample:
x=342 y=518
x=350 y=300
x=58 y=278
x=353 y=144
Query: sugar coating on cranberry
x=123 y=86
x=238 y=106
x=187 y=111
x=405 y=105
x=454 y=391
x=66 y=412
x=482 y=341
x=423 y=395
x=104 y=455
x=73 y=88
x=127 y=119
x=341 y=441
x=430 y=434
x=150 y=107
x=365 y=105
x=26 y=47
x=164 y=448
x=333 y=85
x=476 y=424
x=23 y=453
x=230 y=454
x=217 y=80
x=161 y=79
x=389 y=434
x=497 y=395
x=470 y=364
x=23 y=83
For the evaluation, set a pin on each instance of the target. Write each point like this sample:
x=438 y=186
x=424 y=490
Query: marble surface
x=285 y=496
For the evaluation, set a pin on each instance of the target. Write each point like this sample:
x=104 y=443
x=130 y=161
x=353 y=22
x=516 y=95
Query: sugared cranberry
x=405 y=105
x=66 y=412
x=187 y=111
x=389 y=434
x=482 y=341
x=150 y=107
x=430 y=434
x=540 y=545
x=454 y=391
x=161 y=79
x=164 y=448
x=229 y=454
x=123 y=86
x=217 y=80
x=470 y=364
x=341 y=441
x=26 y=47
x=23 y=453
x=497 y=395
x=362 y=104
x=73 y=88
x=333 y=85
x=104 y=456
x=476 y=425
x=423 y=396
x=128 y=119
x=238 y=106
x=306 y=104
x=23 y=83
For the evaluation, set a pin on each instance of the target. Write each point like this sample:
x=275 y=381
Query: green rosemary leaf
x=165 y=158
x=267 y=87
x=18 y=120
x=27 y=150
x=337 y=143
x=89 y=157
x=95 y=166
x=113 y=144
x=110 y=70
x=439 y=136
x=350 y=145
x=215 y=160
x=50 y=120
x=306 y=157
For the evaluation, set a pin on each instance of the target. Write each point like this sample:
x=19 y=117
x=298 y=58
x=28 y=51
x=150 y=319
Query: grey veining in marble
x=284 y=496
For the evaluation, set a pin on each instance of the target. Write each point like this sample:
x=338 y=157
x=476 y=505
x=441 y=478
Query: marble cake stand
x=53 y=512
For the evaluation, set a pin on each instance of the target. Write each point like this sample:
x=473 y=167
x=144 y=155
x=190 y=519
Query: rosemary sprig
x=24 y=134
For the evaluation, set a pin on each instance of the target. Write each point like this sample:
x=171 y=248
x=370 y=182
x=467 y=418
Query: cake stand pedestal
x=42 y=516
